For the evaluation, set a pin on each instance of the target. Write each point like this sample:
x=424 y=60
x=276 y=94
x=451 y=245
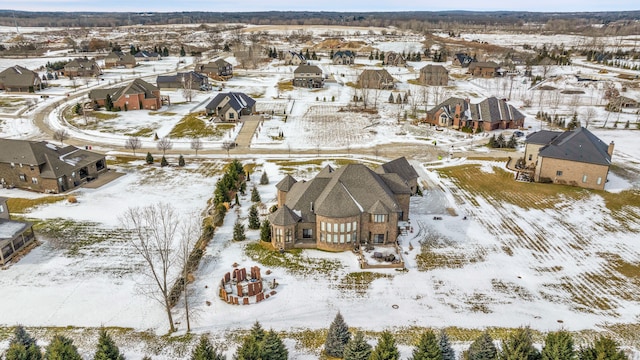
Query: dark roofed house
x=434 y=75
x=137 y=95
x=119 y=59
x=294 y=58
x=485 y=69
x=218 y=69
x=462 y=60
x=82 y=67
x=309 y=76
x=14 y=235
x=575 y=157
x=145 y=55
x=392 y=58
x=376 y=79
x=190 y=80
x=345 y=57
x=19 y=79
x=489 y=114
x=231 y=106
x=45 y=167
x=339 y=209
x=407 y=173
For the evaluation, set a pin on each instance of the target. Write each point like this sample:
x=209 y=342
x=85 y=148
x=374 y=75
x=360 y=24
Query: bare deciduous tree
x=190 y=232
x=133 y=143
x=196 y=144
x=153 y=230
x=61 y=135
x=187 y=87
x=228 y=145
x=164 y=144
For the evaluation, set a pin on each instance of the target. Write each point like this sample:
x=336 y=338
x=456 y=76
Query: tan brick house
x=489 y=114
x=82 y=67
x=20 y=79
x=485 y=69
x=340 y=209
x=309 y=76
x=376 y=79
x=45 y=167
x=119 y=59
x=14 y=235
x=218 y=69
x=434 y=75
x=575 y=157
x=137 y=95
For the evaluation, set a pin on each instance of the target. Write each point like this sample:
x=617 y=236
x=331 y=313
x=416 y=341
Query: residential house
x=82 y=67
x=45 y=167
x=185 y=80
x=485 y=69
x=392 y=58
x=462 y=60
x=20 y=79
x=14 y=235
x=231 y=106
x=340 y=209
x=309 y=76
x=137 y=95
x=216 y=69
x=119 y=59
x=489 y=114
x=343 y=57
x=406 y=172
x=376 y=79
x=294 y=58
x=575 y=157
x=622 y=102
x=434 y=75
x=145 y=55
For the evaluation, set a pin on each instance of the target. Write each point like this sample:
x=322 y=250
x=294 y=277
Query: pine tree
x=482 y=348
x=492 y=141
x=182 y=52
x=257 y=332
x=254 y=220
x=164 y=161
x=519 y=346
x=512 y=142
x=603 y=348
x=265 y=231
x=337 y=337
x=249 y=350
x=428 y=348
x=391 y=100
x=149 y=158
x=500 y=141
x=23 y=346
x=108 y=103
x=205 y=351
x=386 y=349
x=273 y=348
x=357 y=348
x=255 y=195
x=107 y=349
x=181 y=162
x=558 y=346
x=62 y=348
x=445 y=346
x=238 y=232
x=264 y=179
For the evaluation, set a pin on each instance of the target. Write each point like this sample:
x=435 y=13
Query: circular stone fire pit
x=242 y=287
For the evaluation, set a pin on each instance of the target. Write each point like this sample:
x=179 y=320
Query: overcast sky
x=319 y=5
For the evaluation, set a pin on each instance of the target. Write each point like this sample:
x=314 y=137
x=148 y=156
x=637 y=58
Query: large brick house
x=309 y=76
x=485 y=69
x=231 y=106
x=489 y=114
x=45 y=167
x=216 y=69
x=14 y=235
x=345 y=57
x=462 y=60
x=185 y=80
x=392 y=58
x=19 y=79
x=82 y=67
x=340 y=209
x=294 y=58
x=434 y=75
x=575 y=157
x=137 y=95
x=376 y=79
x=119 y=59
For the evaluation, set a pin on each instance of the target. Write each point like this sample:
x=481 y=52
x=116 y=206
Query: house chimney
x=610 y=149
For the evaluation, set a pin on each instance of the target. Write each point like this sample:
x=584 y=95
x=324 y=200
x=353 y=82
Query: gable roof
x=305 y=69
x=542 y=137
x=119 y=56
x=434 y=69
x=343 y=53
x=401 y=167
x=178 y=78
x=137 y=86
x=376 y=75
x=19 y=76
x=578 y=145
x=488 y=110
x=483 y=64
x=464 y=59
x=286 y=183
x=237 y=101
x=146 y=54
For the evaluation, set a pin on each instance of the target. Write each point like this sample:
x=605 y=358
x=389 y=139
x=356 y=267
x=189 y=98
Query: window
x=288 y=236
x=321 y=237
x=559 y=173
x=378 y=238
x=379 y=218
x=584 y=178
x=31 y=167
x=341 y=238
x=335 y=227
x=23 y=177
x=599 y=181
x=278 y=235
x=231 y=115
x=307 y=233
x=342 y=227
x=34 y=180
x=322 y=228
x=348 y=227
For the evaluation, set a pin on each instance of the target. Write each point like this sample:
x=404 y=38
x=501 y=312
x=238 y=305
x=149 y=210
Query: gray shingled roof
x=489 y=110
x=429 y=69
x=137 y=86
x=286 y=183
x=237 y=101
x=327 y=171
x=483 y=64
x=18 y=76
x=542 y=137
x=401 y=167
x=283 y=217
x=303 y=195
x=396 y=183
x=307 y=69
x=578 y=145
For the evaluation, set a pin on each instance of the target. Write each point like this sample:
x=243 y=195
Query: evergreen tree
x=23 y=346
x=264 y=179
x=254 y=220
x=265 y=231
x=149 y=158
x=165 y=52
x=249 y=350
x=107 y=349
x=428 y=348
x=182 y=52
x=574 y=123
x=512 y=142
x=164 y=161
x=337 y=337
x=519 y=346
x=61 y=348
x=602 y=349
x=181 y=161
x=238 y=232
x=226 y=47
x=357 y=348
x=558 y=346
x=445 y=346
x=500 y=141
x=386 y=349
x=482 y=348
x=492 y=141
x=108 y=103
x=255 y=195
x=273 y=348
x=391 y=100
x=205 y=351
x=257 y=332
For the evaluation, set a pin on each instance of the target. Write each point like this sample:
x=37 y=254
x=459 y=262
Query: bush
x=181 y=161
x=264 y=179
x=164 y=161
x=149 y=158
x=72 y=199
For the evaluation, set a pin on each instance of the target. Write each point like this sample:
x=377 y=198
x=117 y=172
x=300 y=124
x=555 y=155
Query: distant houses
x=137 y=95
x=147 y=56
x=392 y=58
x=376 y=79
x=82 y=67
x=434 y=75
x=294 y=58
x=45 y=167
x=14 y=235
x=309 y=76
x=20 y=79
x=575 y=157
x=184 y=80
x=485 y=69
x=489 y=114
x=462 y=60
x=117 y=59
x=218 y=69
x=345 y=57
x=231 y=106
